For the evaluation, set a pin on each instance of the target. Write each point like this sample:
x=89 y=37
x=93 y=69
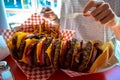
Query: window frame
x=35 y=7
x=32 y=9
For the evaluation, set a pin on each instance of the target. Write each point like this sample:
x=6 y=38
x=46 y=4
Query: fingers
x=100 y=9
x=90 y=5
x=44 y=9
x=47 y=12
x=101 y=13
x=107 y=19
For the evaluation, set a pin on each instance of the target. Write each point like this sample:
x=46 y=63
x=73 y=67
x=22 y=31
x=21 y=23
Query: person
x=104 y=14
x=102 y=24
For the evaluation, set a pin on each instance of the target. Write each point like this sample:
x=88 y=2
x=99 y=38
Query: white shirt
x=85 y=28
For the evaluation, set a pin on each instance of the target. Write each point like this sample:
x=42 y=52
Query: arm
x=116 y=29
x=103 y=14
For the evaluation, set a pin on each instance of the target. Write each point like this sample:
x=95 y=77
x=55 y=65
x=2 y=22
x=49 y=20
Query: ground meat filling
x=85 y=54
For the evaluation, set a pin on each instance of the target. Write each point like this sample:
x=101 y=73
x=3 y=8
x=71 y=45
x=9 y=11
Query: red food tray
x=35 y=73
x=112 y=74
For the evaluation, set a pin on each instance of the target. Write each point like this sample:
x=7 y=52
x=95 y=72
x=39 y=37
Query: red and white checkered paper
x=66 y=34
x=36 y=73
x=39 y=73
x=32 y=24
x=7 y=34
x=73 y=73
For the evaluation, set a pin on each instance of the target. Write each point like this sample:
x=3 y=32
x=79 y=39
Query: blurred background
x=18 y=11
x=14 y=12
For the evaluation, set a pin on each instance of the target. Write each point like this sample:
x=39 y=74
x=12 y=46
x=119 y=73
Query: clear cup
x=5 y=71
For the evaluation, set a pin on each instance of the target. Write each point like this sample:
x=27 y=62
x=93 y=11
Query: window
x=19 y=10
x=17 y=4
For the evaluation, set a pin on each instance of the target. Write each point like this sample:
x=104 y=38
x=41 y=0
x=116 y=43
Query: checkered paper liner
x=36 y=73
x=73 y=73
x=7 y=33
x=67 y=34
x=32 y=23
x=37 y=23
x=64 y=34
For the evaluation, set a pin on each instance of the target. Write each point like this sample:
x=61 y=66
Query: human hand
x=48 y=13
x=101 y=12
